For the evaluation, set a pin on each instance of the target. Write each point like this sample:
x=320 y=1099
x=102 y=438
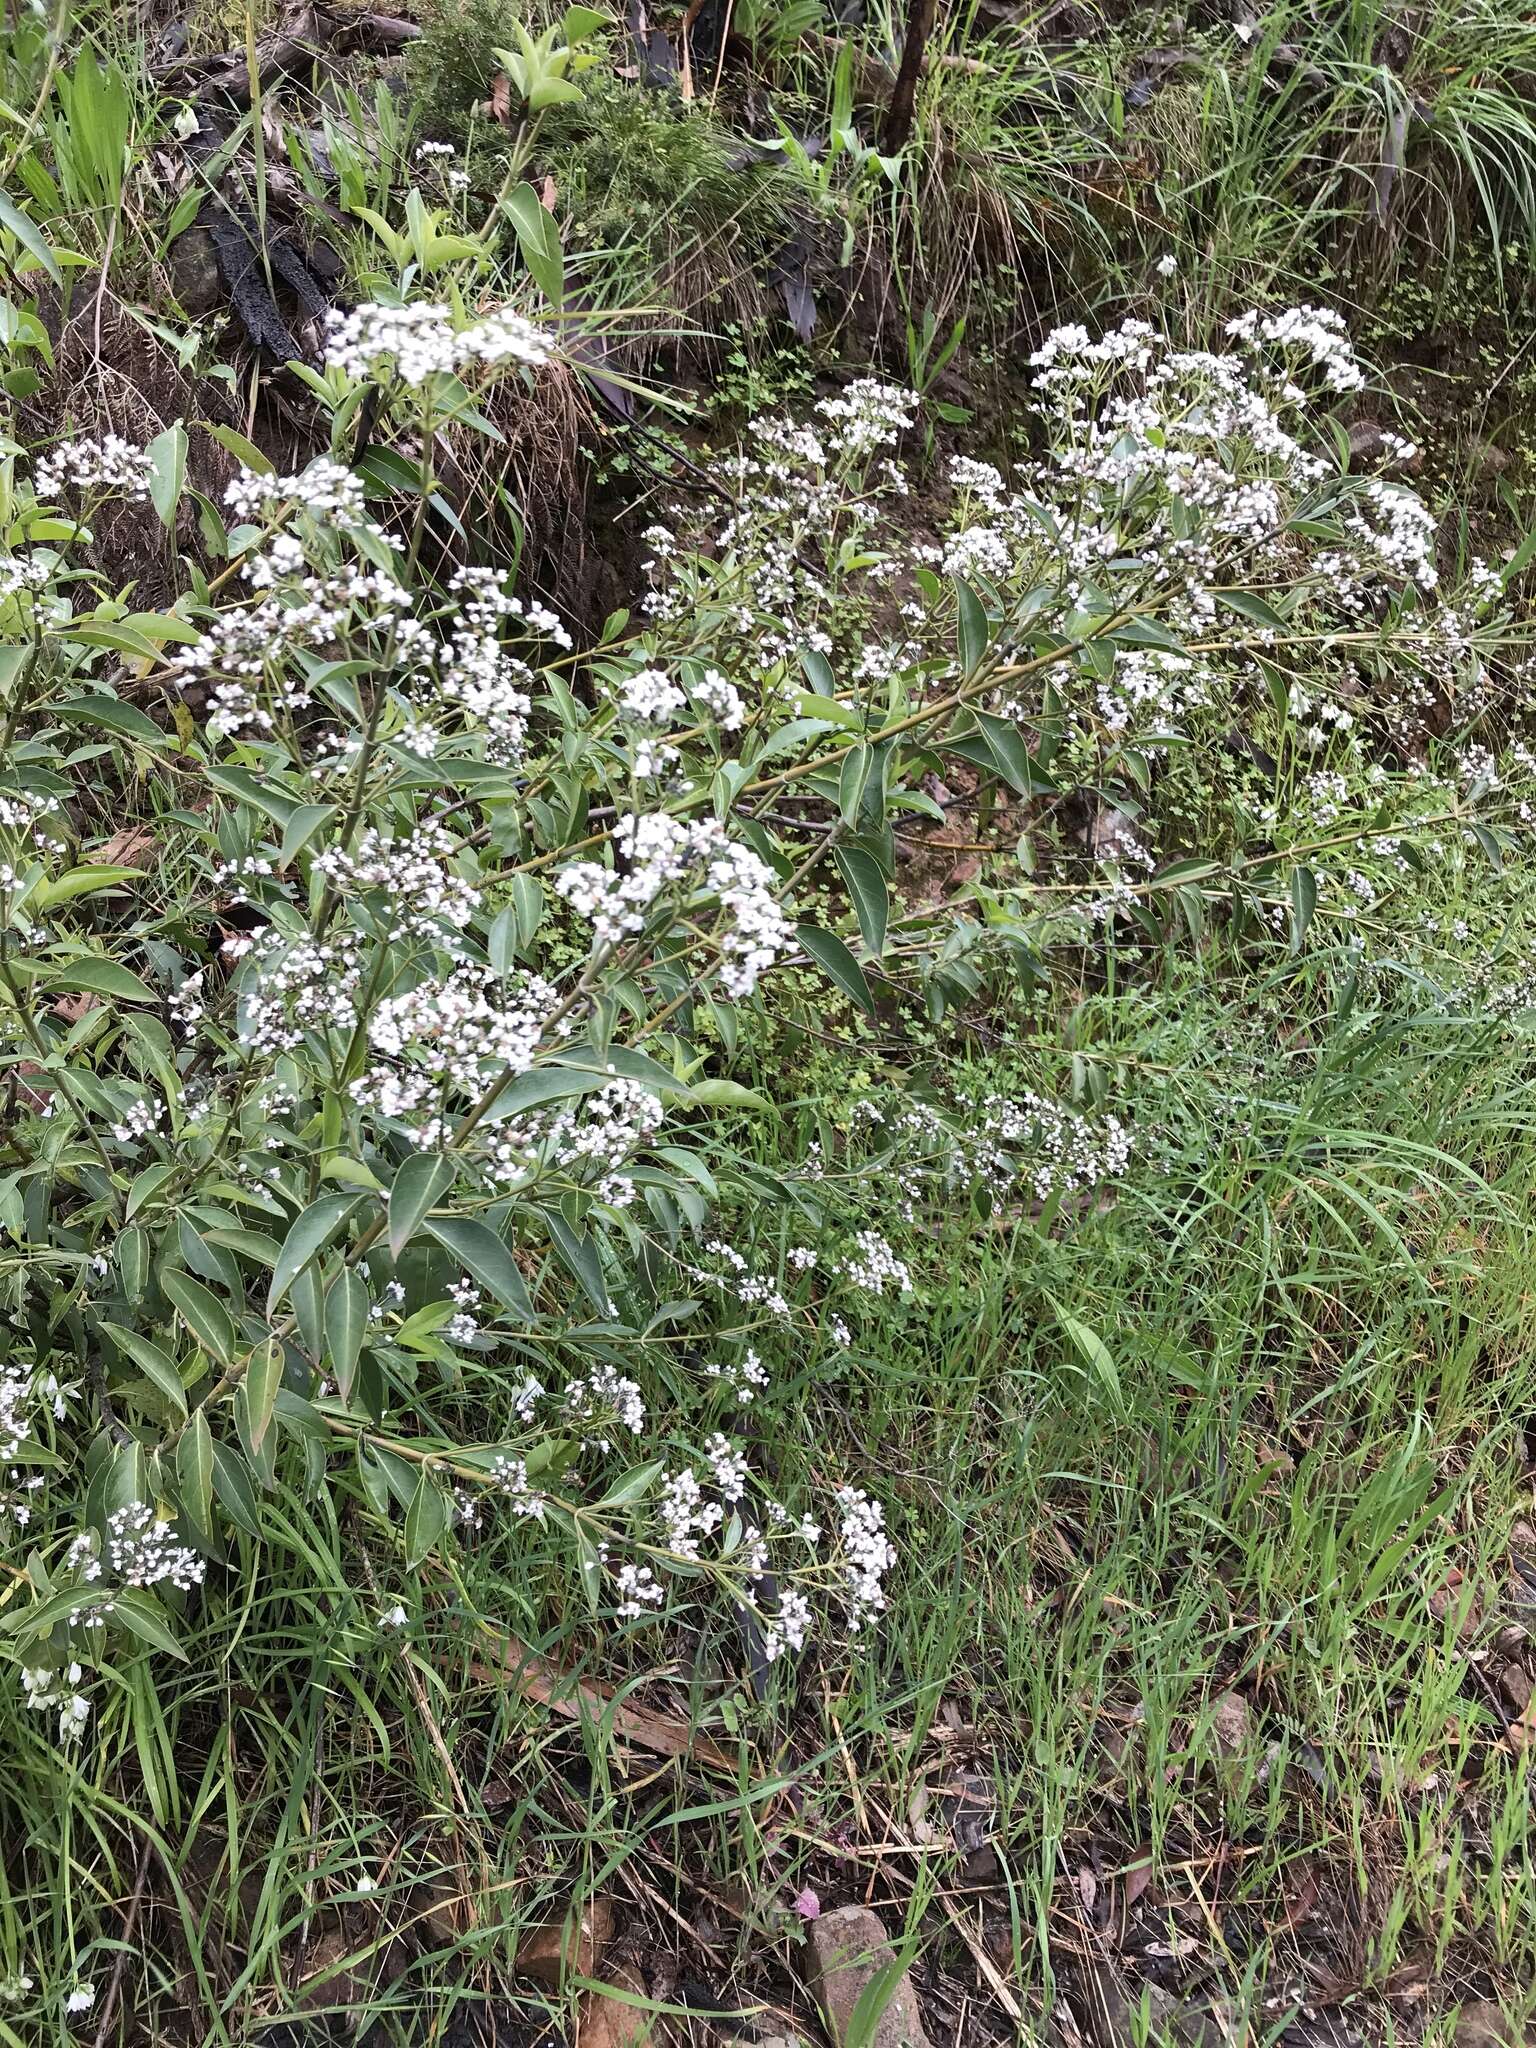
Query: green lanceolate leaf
x=486 y=1259
x=263 y=1377
x=310 y=1234
x=423 y=1179
x=425 y=1520
x=835 y=960
x=867 y=889
x=206 y=1316
x=1303 y=904
x=194 y=1471
x=346 y=1323
x=155 y=1365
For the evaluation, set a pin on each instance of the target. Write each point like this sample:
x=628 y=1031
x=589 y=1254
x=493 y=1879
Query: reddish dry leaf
x=72 y=1008
x=1300 y=1903
x=1134 y=1881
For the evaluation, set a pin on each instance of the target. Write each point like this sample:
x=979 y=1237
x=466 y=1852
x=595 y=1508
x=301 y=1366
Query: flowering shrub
x=369 y=1117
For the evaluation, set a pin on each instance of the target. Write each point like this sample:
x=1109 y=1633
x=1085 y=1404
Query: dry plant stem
x=125 y=1949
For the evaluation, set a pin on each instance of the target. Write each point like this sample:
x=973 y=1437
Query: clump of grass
x=452 y=64
x=690 y=217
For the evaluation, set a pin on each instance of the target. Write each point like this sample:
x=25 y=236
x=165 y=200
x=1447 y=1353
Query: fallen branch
x=303 y=35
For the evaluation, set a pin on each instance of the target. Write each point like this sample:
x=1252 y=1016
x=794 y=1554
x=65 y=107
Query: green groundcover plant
x=370 y=1132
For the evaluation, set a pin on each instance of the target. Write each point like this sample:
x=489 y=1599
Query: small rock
x=566 y=1948
x=1231 y=1724
x=1484 y=2025
x=439 y=1908
x=326 y=1988
x=603 y=2021
x=195 y=276
x=1366 y=444
x=848 y=1949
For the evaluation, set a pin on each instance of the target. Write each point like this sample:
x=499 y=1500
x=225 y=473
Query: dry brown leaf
x=1520 y=1732
x=606 y=2021
x=581 y=1699
x=72 y=1008
x=126 y=848
x=567 y=1947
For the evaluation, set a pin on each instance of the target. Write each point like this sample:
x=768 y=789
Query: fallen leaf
x=72 y=1008
x=606 y=2018
x=580 y=1699
x=571 y=1947
x=126 y=848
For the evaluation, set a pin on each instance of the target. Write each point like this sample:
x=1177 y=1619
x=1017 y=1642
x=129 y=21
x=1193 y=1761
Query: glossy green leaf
x=90 y=976
x=346 y=1324
x=485 y=1258
x=835 y=961
x=868 y=893
x=425 y=1520
x=206 y=1316
x=423 y=1179
x=156 y=1367
x=310 y=1234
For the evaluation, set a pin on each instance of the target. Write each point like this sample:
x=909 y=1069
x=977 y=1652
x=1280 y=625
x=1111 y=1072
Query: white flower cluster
x=16 y=1390
x=510 y=1476
x=601 y=1401
x=789 y=1626
x=249 y=653
x=686 y=1516
x=655 y=850
x=409 y=879
x=744 y=1378
x=874 y=1267
x=638 y=1590
x=720 y=697
x=28 y=576
x=326 y=492
x=471 y=670
x=648 y=696
x=419 y=341
x=606 y=1131
x=1051 y=1146
x=142 y=1550
x=1151 y=693
x=290 y=986
x=110 y=464
x=44 y=1690
x=867 y=416
x=451 y=1036
x=804 y=491
x=1314 y=331
x=749 y=1288
x=868 y=1555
